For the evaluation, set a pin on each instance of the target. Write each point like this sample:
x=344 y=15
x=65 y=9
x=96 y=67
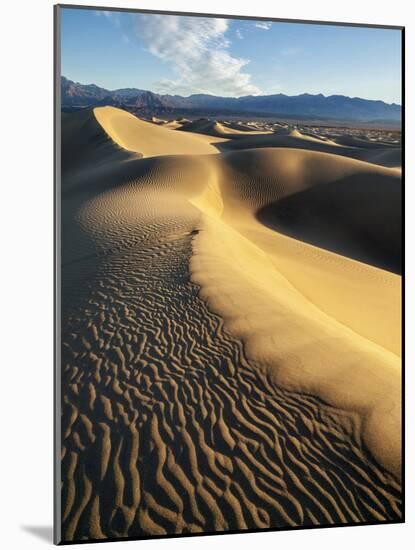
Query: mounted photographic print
x=228 y=274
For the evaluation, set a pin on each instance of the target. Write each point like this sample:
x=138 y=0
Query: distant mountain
x=338 y=107
x=74 y=93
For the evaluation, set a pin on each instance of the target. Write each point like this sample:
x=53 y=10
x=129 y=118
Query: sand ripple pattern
x=167 y=428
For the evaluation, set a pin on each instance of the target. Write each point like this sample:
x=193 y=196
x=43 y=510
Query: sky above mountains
x=228 y=57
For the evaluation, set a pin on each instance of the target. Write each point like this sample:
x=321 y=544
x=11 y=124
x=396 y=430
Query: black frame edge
x=227 y=16
x=57 y=534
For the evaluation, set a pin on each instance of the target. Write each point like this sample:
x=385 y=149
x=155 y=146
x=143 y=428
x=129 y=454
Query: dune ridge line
x=215 y=369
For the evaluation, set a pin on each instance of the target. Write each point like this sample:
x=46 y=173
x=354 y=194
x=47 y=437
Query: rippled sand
x=226 y=365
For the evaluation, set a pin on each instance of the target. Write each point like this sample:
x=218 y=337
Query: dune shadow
x=358 y=217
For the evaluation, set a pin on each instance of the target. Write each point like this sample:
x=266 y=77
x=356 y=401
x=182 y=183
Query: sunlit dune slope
x=93 y=164
x=252 y=180
x=217 y=373
x=319 y=322
x=381 y=154
x=149 y=139
x=322 y=323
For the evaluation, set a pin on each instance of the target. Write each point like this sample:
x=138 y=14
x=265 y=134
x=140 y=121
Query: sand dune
x=133 y=134
x=220 y=129
x=238 y=125
x=356 y=216
x=381 y=154
x=172 y=124
x=85 y=144
x=355 y=141
x=221 y=374
x=335 y=303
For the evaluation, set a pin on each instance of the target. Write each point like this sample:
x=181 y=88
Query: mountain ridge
x=336 y=106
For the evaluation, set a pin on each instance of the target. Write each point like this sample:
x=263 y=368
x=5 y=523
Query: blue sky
x=185 y=55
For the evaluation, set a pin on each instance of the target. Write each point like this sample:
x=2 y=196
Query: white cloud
x=111 y=16
x=198 y=52
x=239 y=33
x=263 y=25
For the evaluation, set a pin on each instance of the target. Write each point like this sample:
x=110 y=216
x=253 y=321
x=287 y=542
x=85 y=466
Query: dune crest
x=250 y=276
x=217 y=374
x=149 y=139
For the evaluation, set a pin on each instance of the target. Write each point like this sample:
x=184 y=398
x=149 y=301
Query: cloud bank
x=198 y=51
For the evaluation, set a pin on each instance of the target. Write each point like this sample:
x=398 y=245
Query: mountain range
x=307 y=106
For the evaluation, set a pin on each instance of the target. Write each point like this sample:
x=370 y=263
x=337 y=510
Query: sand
x=150 y=140
x=318 y=303
x=221 y=129
x=225 y=366
x=377 y=153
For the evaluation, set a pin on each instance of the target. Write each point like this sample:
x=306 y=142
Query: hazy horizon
x=186 y=55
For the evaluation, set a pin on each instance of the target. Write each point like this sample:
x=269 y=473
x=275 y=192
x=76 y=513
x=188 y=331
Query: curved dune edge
x=304 y=349
x=313 y=353
x=135 y=135
x=359 y=296
x=188 y=434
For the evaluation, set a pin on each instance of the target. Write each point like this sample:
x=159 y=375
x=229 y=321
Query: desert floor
x=231 y=326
